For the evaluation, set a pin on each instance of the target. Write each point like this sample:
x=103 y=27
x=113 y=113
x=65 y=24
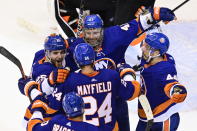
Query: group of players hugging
x=83 y=83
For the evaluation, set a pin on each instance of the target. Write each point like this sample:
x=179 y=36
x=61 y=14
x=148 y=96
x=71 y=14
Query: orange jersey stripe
x=91 y=74
x=32 y=123
x=138 y=40
x=136 y=93
x=41 y=61
x=28 y=114
x=157 y=110
x=116 y=128
x=166 y=125
x=39 y=103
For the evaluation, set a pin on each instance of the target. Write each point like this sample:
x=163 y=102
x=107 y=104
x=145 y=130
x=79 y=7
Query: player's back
x=98 y=91
x=62 y=123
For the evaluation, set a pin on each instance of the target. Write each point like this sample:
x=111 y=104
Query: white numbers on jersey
x=170 y=77
x=57 y=95
x=104 y=110
x=123 y=82
x=40 y=78
x=125 y=27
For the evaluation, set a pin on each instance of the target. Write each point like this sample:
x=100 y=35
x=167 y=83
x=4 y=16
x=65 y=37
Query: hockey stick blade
x=180 y=5
x=12 y=58
x=148 y=111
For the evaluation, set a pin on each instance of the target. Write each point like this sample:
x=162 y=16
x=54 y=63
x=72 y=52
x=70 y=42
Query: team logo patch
x=162 y=40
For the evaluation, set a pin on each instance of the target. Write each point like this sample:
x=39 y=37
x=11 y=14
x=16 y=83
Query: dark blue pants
x=171 y=124
x=122 y=115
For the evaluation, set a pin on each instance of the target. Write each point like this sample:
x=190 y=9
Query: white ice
x=24 y=25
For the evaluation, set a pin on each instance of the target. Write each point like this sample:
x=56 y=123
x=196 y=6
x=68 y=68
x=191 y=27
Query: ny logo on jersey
x=101 y=65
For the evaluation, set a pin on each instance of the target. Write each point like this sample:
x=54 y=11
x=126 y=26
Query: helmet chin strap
x=151 y=57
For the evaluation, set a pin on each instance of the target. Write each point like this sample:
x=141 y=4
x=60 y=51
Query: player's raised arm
x=152 y=15
x=130 y=88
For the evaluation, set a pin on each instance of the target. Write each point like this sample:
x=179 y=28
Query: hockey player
x=112 y=42
x=47 y=70
x=55 y=60
x=71 y=120
x=98 y=88
x=160 y=84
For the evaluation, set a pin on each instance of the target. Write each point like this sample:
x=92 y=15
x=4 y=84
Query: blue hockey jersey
x=99 y=91
x=156 y=82
x=115 y=42
x=59 y=123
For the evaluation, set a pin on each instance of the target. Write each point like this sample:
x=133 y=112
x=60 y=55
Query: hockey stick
x=180 y=5
x=65 y=27
x=80 y=21
x=148 y=111
x=13 y=59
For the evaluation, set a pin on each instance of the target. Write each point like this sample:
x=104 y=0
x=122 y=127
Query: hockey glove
x=140 y=11
x=21 y=84
x=151 y=16
x=178 y=93
x=125 y=69
x=161 y=13
x=58 y=76
x=27 y=85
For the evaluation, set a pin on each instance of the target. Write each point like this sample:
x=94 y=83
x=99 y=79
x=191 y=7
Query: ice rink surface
x=17 y=35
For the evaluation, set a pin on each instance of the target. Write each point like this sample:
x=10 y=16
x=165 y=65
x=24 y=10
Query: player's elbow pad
x=128 y=74
x=137 y=88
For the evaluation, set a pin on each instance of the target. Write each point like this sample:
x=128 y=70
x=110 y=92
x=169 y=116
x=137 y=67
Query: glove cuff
x=146 y=20
x=30 y=86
